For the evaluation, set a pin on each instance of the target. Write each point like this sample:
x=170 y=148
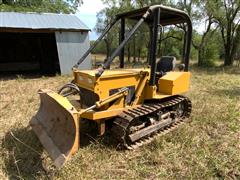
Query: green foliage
x=208 y=46
x=104 y=17
x=100 y=49
x=227 y=15
x=172 y=43
x=213 y=47
x=139 y=43
x=53 y=6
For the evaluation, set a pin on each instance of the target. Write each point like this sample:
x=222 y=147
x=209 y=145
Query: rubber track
x=121 y=123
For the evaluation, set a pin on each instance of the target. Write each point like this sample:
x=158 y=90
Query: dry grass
x=207 y=147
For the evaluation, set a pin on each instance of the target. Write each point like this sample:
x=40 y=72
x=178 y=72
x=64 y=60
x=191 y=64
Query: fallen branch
x=15 y=162
x=24 y=143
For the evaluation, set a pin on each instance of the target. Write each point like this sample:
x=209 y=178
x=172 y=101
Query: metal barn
x=45 y=43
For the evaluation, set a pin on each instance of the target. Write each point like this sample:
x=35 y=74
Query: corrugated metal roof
x=41 y=21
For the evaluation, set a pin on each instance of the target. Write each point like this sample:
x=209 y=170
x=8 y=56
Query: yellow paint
x=150 y=91
x=120 y=103
x=63 y=101
x=109 y=106
x=111 y=98
x=93 y=115
x=171 y=84
x=174 y=83
x=110 y=79
x=65 y=105
x=139 y=93
x=160 y=96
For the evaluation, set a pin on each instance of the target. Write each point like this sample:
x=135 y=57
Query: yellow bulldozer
x=135 y=105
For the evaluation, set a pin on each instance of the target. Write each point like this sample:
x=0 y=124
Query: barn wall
x=71 y=46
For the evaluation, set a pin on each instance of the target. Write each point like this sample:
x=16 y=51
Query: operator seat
x=166 y=64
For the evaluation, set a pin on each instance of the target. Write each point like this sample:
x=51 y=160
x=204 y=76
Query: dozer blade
x=57 y=126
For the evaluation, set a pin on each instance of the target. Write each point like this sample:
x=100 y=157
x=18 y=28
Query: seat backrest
x=166 y=64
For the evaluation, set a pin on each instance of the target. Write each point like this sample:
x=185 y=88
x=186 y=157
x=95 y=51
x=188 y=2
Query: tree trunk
x=108 y=51
x=200 y=55
x=139 y=54
x=228 y=59
x=129 y=55
x=201 y=47
x=107 y=48
x=199 y=58
x=134 y=49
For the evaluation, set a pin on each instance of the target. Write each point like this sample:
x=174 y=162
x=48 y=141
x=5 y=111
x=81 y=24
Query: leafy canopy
x=53 y=6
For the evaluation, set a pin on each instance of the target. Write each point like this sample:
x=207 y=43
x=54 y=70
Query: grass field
x=207 y=147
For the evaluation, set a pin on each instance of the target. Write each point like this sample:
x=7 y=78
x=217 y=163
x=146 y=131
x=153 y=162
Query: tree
x=215 y=15
x=105 y=16
x=54 y=6
x=136 y=45
x=200 y=13
x=227 y=15
x=171 y=42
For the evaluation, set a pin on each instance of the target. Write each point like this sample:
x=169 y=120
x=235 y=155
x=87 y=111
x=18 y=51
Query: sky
x=87 y=13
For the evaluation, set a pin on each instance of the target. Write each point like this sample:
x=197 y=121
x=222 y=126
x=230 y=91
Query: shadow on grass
x=5 y=76
x=22 y=160
x=232 y=93
x=234 y=70
x=89 y=135
x=23 y=151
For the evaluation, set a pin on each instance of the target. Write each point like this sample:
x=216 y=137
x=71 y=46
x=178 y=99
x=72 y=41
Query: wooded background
x=217 y=41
